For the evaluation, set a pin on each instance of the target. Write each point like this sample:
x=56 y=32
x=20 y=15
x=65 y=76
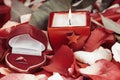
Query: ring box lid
x=25 y=39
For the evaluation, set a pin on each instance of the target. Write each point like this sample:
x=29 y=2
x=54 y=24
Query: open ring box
x=27 y=43
x=60 y=26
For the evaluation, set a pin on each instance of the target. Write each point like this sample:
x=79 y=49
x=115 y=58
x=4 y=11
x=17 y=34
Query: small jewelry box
x=26 y=47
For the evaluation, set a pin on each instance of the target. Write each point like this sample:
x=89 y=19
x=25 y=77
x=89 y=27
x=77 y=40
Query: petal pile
x=98 y=59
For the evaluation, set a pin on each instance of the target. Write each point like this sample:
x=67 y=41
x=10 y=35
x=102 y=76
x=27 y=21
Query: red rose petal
x=1 y=75
x=118 y=21
x=74 y=70
x=112 y=13
x=109 y=71
x=1 y=2
x=18 y=76
x=98 y=37
x=61 y=61
x=116 y=2
x=97 y=77
x=4 y=14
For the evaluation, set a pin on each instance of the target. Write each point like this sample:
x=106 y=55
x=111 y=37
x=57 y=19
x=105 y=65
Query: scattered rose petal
x=43 y=72
x=94 y=69
x=1 y=75
x=4 y=14
x=42 y=77
x=25 y=18
x=94 y=41
x=110 y=24
x=55 y=76
x=5 y=71
x=3 y=49
x=61 y=61
x=113 y=12
x=9 y=24
x=106 y=70
x=7 y=2
x=116 y=51
x=6 y=29
x=79 y=78
x=97 y=77
x=116 y=2
x=92 y=57
x=118 y=21
x=74 y=70
x=19 y=76
x=113 y=6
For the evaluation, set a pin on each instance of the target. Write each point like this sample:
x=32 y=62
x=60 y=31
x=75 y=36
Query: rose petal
x=92 y=57
x=95 y=41
x=116 y=51
x=6 y=28
x=74 y=70
x=42 y=77
x=106 y=70
x=5 y=71
x=1 y=75
x=3 y=48
x=4 y=14
x=112 y=12
x=110 y=24
x=61 y=61
x=1 y=2
x=8 y=2
x=97 y=77
x=79 y=78
x=118 y=21
x=18 y=76
x=55 y=76
x=116 y=2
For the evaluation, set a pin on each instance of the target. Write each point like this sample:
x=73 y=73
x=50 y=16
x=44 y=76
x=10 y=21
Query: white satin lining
x=25 y=44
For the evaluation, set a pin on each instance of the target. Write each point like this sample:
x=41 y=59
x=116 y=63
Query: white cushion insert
x=25 y=44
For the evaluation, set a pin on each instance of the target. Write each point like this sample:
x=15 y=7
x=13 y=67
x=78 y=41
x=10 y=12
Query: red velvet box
x=59 y=28
x=27 y=45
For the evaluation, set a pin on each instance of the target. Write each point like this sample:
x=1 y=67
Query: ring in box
x=61 y=27
x=27 y=45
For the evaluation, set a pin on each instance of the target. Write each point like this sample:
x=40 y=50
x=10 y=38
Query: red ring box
x=58 y=27
x=27 y=45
